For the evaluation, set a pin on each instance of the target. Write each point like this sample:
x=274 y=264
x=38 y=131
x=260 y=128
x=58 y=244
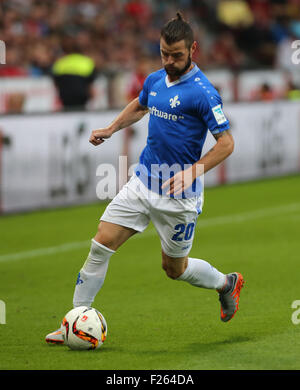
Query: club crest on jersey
x=174 y=101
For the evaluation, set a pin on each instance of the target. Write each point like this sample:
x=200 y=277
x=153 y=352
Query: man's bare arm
x=218 y=153
x=184 y=179
x=132 y=113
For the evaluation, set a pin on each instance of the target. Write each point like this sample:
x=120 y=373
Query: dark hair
x=177 y=29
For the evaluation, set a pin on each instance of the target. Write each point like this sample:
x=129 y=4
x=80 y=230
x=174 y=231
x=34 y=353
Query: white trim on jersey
x=186 y=76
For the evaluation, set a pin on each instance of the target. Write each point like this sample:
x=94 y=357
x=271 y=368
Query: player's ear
x=193 y=47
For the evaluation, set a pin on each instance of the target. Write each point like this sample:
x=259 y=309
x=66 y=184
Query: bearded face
x=176 y=58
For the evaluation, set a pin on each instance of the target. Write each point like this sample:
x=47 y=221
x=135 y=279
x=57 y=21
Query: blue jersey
x=181 y=113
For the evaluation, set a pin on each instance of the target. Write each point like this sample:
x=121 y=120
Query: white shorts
x=174 y=219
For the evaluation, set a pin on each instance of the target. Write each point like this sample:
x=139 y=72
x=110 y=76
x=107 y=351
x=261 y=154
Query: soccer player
x=166 y=187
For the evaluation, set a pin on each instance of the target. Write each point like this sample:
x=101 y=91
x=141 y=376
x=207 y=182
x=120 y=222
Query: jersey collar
x=186 y=76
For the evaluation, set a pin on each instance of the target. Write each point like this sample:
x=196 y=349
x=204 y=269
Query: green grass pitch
x=155 y=322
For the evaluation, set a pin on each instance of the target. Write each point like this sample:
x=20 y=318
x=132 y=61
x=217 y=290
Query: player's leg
x=200 y=273
x=113 y=235
x=175 y=221
x=108 y=239
x=123 y=217
x=174 y=266
x=197 y=272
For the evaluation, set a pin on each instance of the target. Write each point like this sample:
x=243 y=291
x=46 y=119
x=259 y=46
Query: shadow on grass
x=101 y=350
x=201 y=347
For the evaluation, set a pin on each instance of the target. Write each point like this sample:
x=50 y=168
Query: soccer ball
x=84 y=328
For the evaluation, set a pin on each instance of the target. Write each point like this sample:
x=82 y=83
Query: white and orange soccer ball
x=84 y=328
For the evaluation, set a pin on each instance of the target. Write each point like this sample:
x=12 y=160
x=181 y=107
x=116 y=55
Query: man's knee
x=105 y=237
x=113 y=236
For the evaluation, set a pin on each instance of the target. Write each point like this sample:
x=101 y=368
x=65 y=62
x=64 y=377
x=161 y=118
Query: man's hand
x=182 y=180
x=178 y=183
x=98 y=136
x=132 y=113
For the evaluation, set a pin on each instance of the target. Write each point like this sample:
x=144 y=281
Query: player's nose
x=170 y=60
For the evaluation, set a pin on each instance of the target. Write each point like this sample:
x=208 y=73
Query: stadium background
x=251 y=217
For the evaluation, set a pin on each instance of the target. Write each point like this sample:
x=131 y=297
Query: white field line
x=260 y=213
x=226 y=219
x=45 y=251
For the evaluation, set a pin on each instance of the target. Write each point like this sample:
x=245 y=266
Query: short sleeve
x=210 y=110
x=143 y=96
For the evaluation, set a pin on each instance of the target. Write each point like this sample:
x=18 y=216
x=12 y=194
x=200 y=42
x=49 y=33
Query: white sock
x=201 y=274
x=92 y=274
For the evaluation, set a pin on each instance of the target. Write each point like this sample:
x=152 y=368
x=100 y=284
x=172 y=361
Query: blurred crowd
x=116 y=34
x=231 y=33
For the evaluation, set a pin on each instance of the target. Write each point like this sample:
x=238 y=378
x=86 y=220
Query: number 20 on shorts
x=183 y=231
